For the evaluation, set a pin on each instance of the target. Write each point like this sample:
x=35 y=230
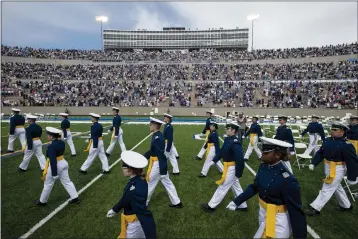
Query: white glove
x=231 y=206
x=292 y=152
x=352 y=182
x=116 y=137
x=243 y=136
x=163 y=176
x=55 y=177
x=94 y=149
x=109 y=130
x=64 y=139
x=166 y=153
x=111 y=213
x=311 y=167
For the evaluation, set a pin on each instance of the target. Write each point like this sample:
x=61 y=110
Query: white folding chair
x=351 y=191
x=303 y=157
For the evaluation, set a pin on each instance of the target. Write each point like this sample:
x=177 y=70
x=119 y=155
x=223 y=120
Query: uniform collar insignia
x=285 y=175
x=132 y=188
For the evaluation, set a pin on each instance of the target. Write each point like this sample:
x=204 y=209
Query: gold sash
x=151 y=161
x=125 y=219
x=332 y=171
x=271 y=211
x=47 y=165
x=226 y=167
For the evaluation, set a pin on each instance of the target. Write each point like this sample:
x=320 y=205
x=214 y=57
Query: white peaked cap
x=168 y=115
x=275 y=142
x=134 y=159
x=95 y=115
x=15 y=109
x=53 y=130
x=63 y=114
x=31 y=116
x=115 y=108
x=156 y=120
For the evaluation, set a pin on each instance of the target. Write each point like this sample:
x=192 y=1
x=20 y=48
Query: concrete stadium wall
x=181 y=111
x=335 y=59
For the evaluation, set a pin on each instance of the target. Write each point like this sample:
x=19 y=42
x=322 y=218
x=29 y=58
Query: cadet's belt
x=19 y=126
x=68 y=129
x=125 y=219
x=47 y=165
x=252 y=139
x=90 y=143
x=271 y=211
x=37 y=138
x=208 y=146
x=226 y=167
x=332 y=170
x=25 y=145
x=355 y=144
x=152 y=159
x=166 y=141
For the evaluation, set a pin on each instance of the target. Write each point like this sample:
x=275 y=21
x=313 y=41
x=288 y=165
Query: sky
x=72 y=25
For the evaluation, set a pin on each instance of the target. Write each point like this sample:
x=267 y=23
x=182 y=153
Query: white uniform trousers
x=62 y=172
x=253 y=147
x=202 y=151
x=154 y=178
x=313 y=144
x=19 y=133
x=334 y=188
x=37 y=149
x=231 y=181
x=175 y=151
x=93 y=154
x=114 y=140
x=209 y=158
x=135 y=230
x=70 y=143
x=283 y=226
x=171 y=157
x=288 y=165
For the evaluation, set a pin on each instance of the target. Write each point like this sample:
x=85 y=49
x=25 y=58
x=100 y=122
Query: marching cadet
x=314 y=129
x=284 y=133
x=158 y=168
x=279 y=195
x=212 y=147
x=66 y=132
x=254 y=132
x=136 y=220
x=56 y=167
x=241 y=121
x=95 y=147
x=206 y=131
x=33 y=144
x=17 y=130
x=339 y=156
x=234 y=166
x=169 y=144
x=117 y=134
x=352 y=133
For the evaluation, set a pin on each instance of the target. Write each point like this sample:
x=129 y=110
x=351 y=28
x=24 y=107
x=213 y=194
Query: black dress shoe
x=108 y=155
x=9 y=151
x=74 y=201
x=246 y=160
x=83 y=172
x=197 y=158
x=73 y=155
x=105 y=172
x=207 y=208
x=37 y=202
x=202 y=176
x=21 y=170
x=342 y=209
x=177 y=174
x=179 y=205
x=312 y=212
x=177 y=157
x=242 y=209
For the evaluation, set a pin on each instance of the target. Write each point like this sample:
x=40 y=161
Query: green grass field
x=88 y=219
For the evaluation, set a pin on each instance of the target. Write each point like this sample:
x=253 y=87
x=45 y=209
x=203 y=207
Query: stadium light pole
x=102 y=19
x=252 y=18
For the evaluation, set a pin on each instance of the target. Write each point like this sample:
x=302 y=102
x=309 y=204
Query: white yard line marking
x=309 y=229
x=63 y=205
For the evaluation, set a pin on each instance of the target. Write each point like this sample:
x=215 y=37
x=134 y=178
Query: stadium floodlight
x=252 y=18
x=102 y=19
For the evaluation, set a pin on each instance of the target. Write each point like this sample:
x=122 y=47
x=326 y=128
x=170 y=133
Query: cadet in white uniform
x=56 y=167
x=117 y=134
x=33 y=144
x=169 y=143
x=17 y=130
x=66 y=132
x=95 y=147
x=315 y=129
x=234 y=165
x=158 y=165
x=136 y=220
x=339 y=157
x=254 y=132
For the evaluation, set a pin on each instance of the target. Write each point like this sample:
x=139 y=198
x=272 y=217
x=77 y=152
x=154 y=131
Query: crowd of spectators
x=200 y=55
